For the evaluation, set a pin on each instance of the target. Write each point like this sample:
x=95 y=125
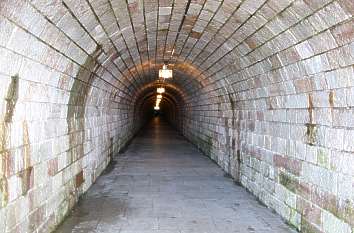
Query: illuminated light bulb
x=157 y=108
x=165 y=72
x=159 y=96
x=160 y=90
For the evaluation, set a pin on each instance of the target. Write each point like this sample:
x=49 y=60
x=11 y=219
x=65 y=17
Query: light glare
x=165 y=72
x=160 y=90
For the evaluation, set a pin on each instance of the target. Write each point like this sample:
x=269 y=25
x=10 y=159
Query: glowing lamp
x=165 y=72
x=160 y=90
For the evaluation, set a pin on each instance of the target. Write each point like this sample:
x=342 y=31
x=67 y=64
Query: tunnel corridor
x=163 y=184
x=263 y=88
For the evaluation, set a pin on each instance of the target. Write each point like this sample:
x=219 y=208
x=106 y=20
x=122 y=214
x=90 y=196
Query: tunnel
x=254 y=131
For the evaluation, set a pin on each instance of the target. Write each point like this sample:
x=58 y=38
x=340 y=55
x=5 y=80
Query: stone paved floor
x=163 y=184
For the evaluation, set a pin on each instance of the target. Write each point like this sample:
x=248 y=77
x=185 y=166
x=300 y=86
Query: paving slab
x=163 y=184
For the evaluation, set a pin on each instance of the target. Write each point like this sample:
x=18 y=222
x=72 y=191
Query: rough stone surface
x=263 y=87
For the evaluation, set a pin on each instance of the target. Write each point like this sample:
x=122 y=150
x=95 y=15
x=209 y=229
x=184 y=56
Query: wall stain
x=4 y=163
x=27 y=174
x=310 y=108
x=311 y=133
x=311 y=128
x=227 y=145
x=234 y=147
x=288 y=182
x=322 y=158
x=331 y=102
x=110 y=149
x=3 y=191
x=11 y=98
x=5 y=129
x=331 y=98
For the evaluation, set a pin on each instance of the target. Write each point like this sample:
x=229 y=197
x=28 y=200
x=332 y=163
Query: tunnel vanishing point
x=265 y=88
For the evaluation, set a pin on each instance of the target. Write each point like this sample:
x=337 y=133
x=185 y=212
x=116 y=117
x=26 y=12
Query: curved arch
x=171 y=92
x=258 y=85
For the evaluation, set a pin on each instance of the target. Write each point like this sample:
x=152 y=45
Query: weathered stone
x=264 y=88
x=290 y=165
x=79 y=179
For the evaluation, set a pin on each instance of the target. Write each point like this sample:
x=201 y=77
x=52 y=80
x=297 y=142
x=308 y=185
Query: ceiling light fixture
x=165 y=72
x=158 y=101
x=160 y=90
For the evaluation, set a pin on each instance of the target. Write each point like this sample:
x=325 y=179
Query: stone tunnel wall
x=284 y=130
x=292 y=130
x=210 y=123
x=295 y=103
x=60 y=122
x=277 y=117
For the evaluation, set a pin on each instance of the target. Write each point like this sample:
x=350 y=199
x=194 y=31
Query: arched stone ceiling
x=175 y=93
x=204 y=40
x=252 y=77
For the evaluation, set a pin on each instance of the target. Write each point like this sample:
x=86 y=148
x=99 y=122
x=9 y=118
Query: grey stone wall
x=265 y=88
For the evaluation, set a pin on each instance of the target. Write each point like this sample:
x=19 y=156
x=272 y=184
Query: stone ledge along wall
x=267 y=89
